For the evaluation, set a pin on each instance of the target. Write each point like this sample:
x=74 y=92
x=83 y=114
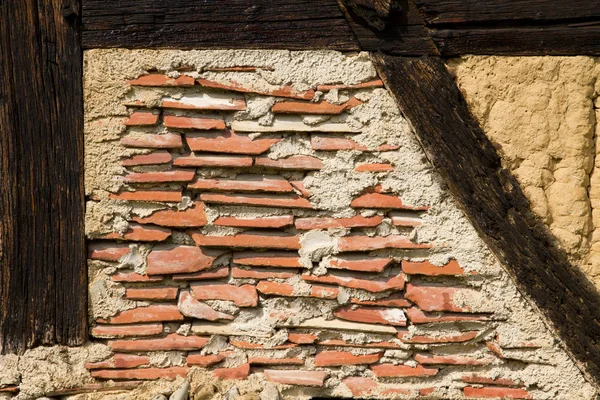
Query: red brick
x=261 y=273
x=366 y=243
x=149 y=195
x=9 y=389
x=228 y=142
x=326 y=223
x=494 y=348
x=176 y=175
x=241 y=344
x=173 y=121
x=361 y=387
x=191 y=217
x=266 y=200
x=216 y=273
x=120 y=361
x=302 y=338
x=379 y=200
x=426 y=268
x=206 y=361
x=141 y=233
x=450 y=360
x=296 y=377
x=375 y=285
x=107 y=252
x=394 y=300
x=240 y=372
x=190 y=307
x=242 y=296
x=267 y=259
x=162 y=80
x=205 y=102
x=343 y=343
x=141 y=373
x=392 y=371
x=158 y=157
x=154 y=141
x=424 y=339
x=284 y=91
x=275 y=361
x=482 y=380
x=153 y=313
x=172 y=342
x=127 y=330
x=233 y=161
x=244 y=183
x=141 y=118
x=417 y=316
x=368 y=264
x=135 y=277
x=277 y=221
x=405 y=218
x=376 y=83
x=339 y=358
x=434 y=298
x=374 y=168
x=174 y=259
x=322 y=107
x=303 y=163
x=280 y=289
x=426 y=391
x=280 y=241
x=151 y=293
x=299 y=186
x=326 y=142
x=324 y=292
x=372 y=315
x=496 y=392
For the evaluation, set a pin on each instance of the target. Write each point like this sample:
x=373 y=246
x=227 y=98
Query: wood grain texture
x=43 y=286
x=189 y=24
x=494 y=203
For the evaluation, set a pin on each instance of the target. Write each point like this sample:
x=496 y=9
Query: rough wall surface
x=540 y=113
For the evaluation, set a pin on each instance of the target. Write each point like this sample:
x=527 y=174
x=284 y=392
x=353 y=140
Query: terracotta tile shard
x=405 y=218
x=244 y=183
x=249 y=240
x=175 y=259
x=153 y=313
x=190 y=307
x=296 y=377
x=322 y=107
x=228 y=142
x=284 y=91
x=372 y=315
x=303 y=163
x=242 y=296
x=205 y=101
x=276 y=288
x=459 y=337
x=417 y=316
x=206 y=361
x=262 y=222
x=451 y=360
x=343 y=343
x=213 y=161
x=338 y=324
x=275 y=361
x=299 y=186
x=291 y=123
x=388 y=147
x=111 y=331
x=107 y=252
x=158 y=157
x=391 y=371
x=324 y=292
x=148 y=195
x=375 y=285
x=482 y=380
x=162 y=80
x=426 y=268
x=177 y=122
x=217 y=273
x=176 y=175
x=376 y=83
x=141 y=373
x=240 y=344
x=153 y=293
x=172 y=342
x=120 y=361
x=331 y=143
x=436 y=298
x=141 y=118
x=261 y=273
x=240 y=372
x=135 y=277
x=379 y=200
x=327 y=223
x=191 y=217
x=266 y=200
x=394 y=300
x=362 y=386
x=267 y=259
x=496 y=393
x=360 y=263
x=154 y=141
x=339 y=358
x=374 y=168
x=140 y=233
x=366 y=243
x=302 y=338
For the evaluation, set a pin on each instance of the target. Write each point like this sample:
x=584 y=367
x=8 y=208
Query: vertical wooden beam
x=43 y=285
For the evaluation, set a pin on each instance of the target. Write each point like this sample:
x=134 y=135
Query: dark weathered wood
x=43 y=285
x=375 y=13
x=187 y=24
x=494 y=202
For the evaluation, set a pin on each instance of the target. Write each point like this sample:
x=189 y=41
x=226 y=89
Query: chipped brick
x=417 y=316
x=338 y=324
x=280 y=289
x=242 y=296
x=426 y=268
x=450 y=360
x=190 y=307
x=120 y=361
x=405 y=219
x=205 y=101
x=299 y=186
x=206 y=361
x=302 y=163
x=324 y=292
x=217 y=273
x=261 y=273
x=141 y=373
x=360 y=386
x=284 y=91
x=325 y=142
x=154 y=141
x=140 y=233
x=174 y=259
x=229 y=161
x=375 y=285
x=228 y=142
x=245 y=183
x=107 y=251
x=135 y=277
x=291 y=123
x=190 y=217
x=372 y=315
x=496 y=392
x=151 y=293
x=366 y=243
x=153 y=313
x=379 y=200
x=178 y=122
x=279 y=241
x=302 y=338
x=327 y=223
x=343 y=343
x=176 y=175
x=459 y=337
x=172 y=342
x=162 y=80
x=360 y=263
x=241 y=344
x=158 y=157
x=267 y=259
x=482 y=380
x=277 y=221
x=240 y=372
x=376 y=83
x=374 y=167
x=296 y=377
x=141 y=118
x=322 y=107
x=275 y=361
x=266 y=200
x=392 y=371
x=434 y=298
x=394 y=300
x=110 y=331
x=149 y=195
x=338 y=358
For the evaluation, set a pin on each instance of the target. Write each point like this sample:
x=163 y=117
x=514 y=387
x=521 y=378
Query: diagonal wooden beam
x=494 y=202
